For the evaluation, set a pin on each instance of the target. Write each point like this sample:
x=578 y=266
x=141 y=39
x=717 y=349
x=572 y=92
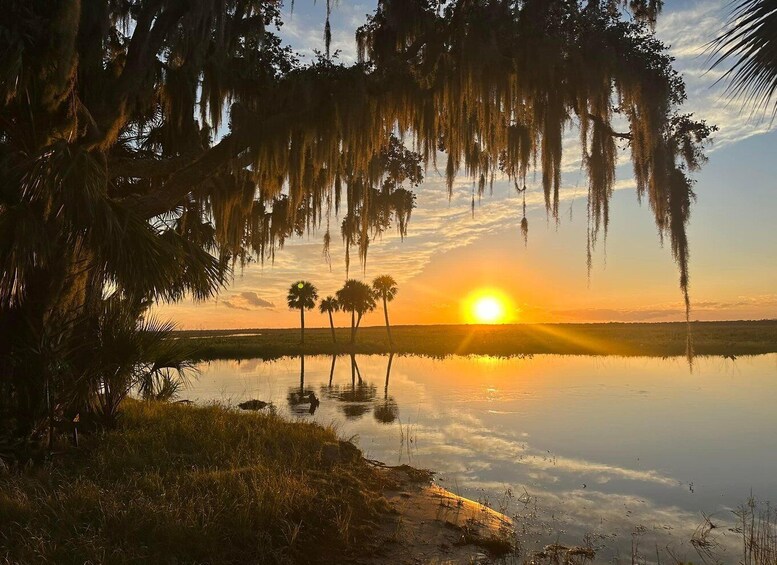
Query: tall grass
x=757 y=524
x=182 y=484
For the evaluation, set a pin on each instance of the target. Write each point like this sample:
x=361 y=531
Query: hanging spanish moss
x=524 y=221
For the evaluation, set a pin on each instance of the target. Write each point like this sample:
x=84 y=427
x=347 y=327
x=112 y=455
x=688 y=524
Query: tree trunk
x=302 y=324
x=332 y=325
x=353 y=326
x=388 y=326
x=356 y=327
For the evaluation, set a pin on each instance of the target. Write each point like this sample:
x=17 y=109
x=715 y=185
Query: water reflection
x=356 y=397
x=302 y=400
x=603 y=447
x=386 y=411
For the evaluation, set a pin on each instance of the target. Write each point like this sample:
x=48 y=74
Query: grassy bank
x=179 y=484
x=664 y=339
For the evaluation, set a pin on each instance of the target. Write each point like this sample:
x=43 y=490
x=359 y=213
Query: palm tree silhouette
x=302 y=295
x=385 y=288
x=357 y=298
x=327 y=306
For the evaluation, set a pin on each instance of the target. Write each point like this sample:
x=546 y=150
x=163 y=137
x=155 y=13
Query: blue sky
x=448 y=254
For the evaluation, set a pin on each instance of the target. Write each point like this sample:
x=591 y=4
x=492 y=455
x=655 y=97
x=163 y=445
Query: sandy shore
x=430 y=525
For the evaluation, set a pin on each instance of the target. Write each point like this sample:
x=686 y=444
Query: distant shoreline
x=612 y=338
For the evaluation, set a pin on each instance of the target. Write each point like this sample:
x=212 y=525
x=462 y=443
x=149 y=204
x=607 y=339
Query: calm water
x=622 y=450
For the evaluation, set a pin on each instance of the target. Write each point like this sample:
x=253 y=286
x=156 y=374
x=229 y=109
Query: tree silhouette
x=327 y=306
x=302 y=295
x=357 y=298
x=751 y=39
x=148 y=147
x=385 y=288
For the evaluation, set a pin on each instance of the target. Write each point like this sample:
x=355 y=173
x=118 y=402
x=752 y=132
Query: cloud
x=254 y=300
x=247 y=300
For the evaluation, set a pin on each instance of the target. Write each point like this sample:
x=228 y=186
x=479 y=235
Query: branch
x=181 y=182
x=141 y=55
x=607 y=126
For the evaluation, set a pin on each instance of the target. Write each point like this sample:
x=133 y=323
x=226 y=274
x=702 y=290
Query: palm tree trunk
x=332 y=325
x=302 y=324
x=358 y=321
x=388 y=326
x=353 y=326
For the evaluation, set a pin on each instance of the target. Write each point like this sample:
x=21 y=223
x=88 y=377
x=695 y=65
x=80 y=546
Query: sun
x=488 y=310
x=487 y=306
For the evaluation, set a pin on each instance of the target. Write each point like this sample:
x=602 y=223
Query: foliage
x=302 y=295
x=132 y=357
x=357 y=298
x=385 y=287
x=119 y=351
x=328 y=305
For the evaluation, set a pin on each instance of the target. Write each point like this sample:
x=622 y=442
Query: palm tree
x=302 y=295
x=327 y=306
x=385 y=288
x=357 y=298
x=750 y=40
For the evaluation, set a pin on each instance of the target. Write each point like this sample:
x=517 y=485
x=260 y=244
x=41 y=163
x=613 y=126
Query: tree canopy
x=149 y=146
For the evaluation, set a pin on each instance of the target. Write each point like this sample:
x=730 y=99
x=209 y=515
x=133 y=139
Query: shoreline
x=620 y=339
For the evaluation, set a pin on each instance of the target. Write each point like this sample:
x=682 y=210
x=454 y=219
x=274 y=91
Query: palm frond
x=749 y=45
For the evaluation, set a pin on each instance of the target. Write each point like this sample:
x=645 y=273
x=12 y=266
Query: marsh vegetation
x=632 y=339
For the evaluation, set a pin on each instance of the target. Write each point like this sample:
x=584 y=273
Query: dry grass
x=179 y=484
x=757 y=524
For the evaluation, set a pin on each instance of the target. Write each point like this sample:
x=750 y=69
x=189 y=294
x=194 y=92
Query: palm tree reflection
x=332 y=370
x=302 y=400
x=387 y=411
x=356 y=398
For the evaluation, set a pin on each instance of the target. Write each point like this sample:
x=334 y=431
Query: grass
x=628 y=339
x=183 y=484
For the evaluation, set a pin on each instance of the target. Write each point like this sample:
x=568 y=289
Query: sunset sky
x=448 y=255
